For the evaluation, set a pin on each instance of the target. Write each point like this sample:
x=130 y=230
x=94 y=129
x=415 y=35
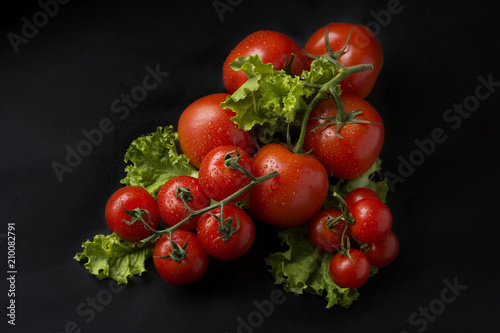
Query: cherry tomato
x=295 y=195
x=363 y=48
x=323 y=237
x=204 y=125
x=172 y=209
x=131 y=197
x=358 y=194
x=187 y=270
x=273 y=47
x=217 y=180
x=349 y=274
x=352 y=154
x=212 y=240
x=373 y=220
x=383 y=251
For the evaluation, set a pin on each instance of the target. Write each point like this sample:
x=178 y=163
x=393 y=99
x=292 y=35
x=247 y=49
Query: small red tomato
x=323 y=237
x=172 y=209
x=188 y=269
x=217 y=180
x=373 y=220
x=349 y=273
x=383 y=251
x=213 y=241
x=273 y=47
x=204 y=125
x=131 y=197
x=358 y=194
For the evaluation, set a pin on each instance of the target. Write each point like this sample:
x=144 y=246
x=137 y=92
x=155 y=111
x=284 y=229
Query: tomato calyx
x=176 y=253
x=226 y=228
x=137 y=214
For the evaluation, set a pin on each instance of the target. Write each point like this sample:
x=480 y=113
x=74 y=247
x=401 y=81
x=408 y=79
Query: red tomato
x=349 y=274
x=351 y=155
x=131 y=197
x=323 y=237
x=295 y=195
x=273 y=47
x=216 y=180
x=187 y=270
x=383 y=251
x=172 y=209
x=363 y=48
x=358 y=194
x=373 y=220
x=212 y=241
x=204 y=125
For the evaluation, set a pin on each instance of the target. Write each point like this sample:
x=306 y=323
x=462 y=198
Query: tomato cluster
x=276 y=182
x=365 y=222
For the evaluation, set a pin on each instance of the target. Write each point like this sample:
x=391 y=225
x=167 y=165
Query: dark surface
x=65 y=79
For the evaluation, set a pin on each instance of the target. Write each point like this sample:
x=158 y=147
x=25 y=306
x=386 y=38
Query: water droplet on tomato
x=274 y=184
x=210 y=124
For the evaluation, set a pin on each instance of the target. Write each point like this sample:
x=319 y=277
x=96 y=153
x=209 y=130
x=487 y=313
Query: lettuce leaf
x=153 y=159
x=111 y=257
x=305 y=268
x=269 y=96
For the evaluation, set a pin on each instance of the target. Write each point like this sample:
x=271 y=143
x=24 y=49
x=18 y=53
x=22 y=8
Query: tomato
x=273 y=47
x=383 y=251
x=172 y=209
x=204 y=125
x=131 y=197
x=323 y=237
x=352 y=154
x=373 y=220
x=212 y=240
x=363 y=48
x=217 y=180
x=187 y=270
x=349 y=274
x=358 y=194
x=295 y=195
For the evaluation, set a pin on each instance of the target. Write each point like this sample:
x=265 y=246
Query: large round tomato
x=204 y=125
x=363 y=48
x=217 y=180
x=351 y=154
x=172 y=209
x=130 y=198
x=295 y=195
x=273 y=47
x=212 y=240
x=187 y=270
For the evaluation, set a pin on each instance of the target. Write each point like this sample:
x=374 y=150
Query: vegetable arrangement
x=292 y=143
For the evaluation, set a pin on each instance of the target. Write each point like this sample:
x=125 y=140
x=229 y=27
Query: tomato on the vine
x=233 y=240
x=350 y=151
x=170 y=205
x=326 y=238
x=383 y=251
x=204 y=125
x=349 y=273
x=217 y=180
x=131 y=203
x=295 y=195
x=358 y=194
x=191 y=264
x=363 y=48
x=273 y=47
x=373 y=220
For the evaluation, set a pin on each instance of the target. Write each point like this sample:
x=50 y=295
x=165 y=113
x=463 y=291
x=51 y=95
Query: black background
x=64 y=80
